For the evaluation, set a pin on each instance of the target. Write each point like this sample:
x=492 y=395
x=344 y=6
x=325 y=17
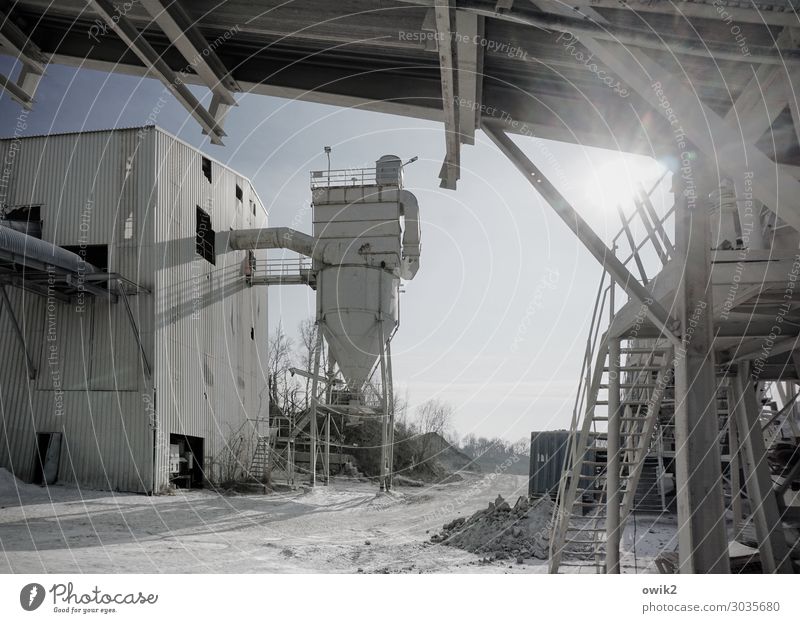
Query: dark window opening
x=252 y=334
x=27 y=219
x=186 y=461
x=253 y=206
x=207 y=168
x=239 y=194
x=204 y=237
x=94 y=254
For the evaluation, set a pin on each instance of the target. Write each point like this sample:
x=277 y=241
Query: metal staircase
x=644 y=376
x=645 y=372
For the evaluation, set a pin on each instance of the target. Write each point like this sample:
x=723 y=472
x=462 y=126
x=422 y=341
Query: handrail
x=579 y=431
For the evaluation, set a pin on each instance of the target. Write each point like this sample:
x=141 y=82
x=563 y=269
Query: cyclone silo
x=366 y=239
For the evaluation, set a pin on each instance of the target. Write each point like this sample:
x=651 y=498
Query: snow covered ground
x=345 y=527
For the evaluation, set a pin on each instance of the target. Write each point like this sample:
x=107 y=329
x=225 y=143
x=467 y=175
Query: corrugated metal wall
x=548 y=451
x=136 y=190
x=88 y=186
x=211 y=374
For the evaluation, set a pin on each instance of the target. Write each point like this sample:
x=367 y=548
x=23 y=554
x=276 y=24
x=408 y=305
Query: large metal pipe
x=272 y=238
x=409 y=208
x=30 y=251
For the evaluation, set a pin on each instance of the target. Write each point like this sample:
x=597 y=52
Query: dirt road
x=345 y=527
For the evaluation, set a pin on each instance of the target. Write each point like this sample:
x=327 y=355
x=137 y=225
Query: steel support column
x=384 y=415
x=702 y=538
x=613 y=492
x=313 y=423
x=758 y=483
x=734 y=449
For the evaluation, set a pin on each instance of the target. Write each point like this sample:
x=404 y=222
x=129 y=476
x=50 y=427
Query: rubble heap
x=501 y=531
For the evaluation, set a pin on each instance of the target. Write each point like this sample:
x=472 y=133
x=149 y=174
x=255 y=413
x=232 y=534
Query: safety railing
x=282 y=267
x=338 y=178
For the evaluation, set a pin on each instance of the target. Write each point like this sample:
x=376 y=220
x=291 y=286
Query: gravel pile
x=503 y=532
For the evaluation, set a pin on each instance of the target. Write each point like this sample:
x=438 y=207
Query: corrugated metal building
x=549 y=450
x=106 y=413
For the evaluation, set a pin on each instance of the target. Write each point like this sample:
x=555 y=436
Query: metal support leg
x=613 y=494
x=290 y=462
x=313 y=423
x=736 y=485
x=763 y=503
x=702 y=537
x=384 y=419
x=327 y=459
x=390 y=403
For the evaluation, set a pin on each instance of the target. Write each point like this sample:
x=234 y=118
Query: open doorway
x=186 y=461
x=48 y=456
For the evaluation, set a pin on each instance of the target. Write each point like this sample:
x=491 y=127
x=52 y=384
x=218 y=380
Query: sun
x=616 y=181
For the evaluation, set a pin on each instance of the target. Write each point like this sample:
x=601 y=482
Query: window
x=239 y=194
x=252 y=334
x=253 y=206
x=207 y=168
x=27 y=219
x=94 y=254
x=204 y=237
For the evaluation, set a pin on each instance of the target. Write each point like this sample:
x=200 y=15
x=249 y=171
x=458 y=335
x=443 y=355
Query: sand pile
x=501 y=531
x=11 y=486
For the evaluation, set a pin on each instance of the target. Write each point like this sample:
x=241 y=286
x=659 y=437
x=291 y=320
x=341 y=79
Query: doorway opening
x=47 y=458
x=186 y=461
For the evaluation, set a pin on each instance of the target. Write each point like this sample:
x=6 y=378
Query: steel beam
x=685 y=11
x=700 y=126
x=469 y=55
x=452 y=162
x=751 y=351
x=762 y=100
x=192 y=44
x=126 y=31
x=20 y=44
x=702 y=538
x=17 y=93
x=583 y=231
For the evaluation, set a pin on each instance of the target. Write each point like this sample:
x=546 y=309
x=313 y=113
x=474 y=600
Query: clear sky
x=495 y=322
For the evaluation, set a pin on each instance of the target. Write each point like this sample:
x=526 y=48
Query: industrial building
x=133 y=352
x=690 y=373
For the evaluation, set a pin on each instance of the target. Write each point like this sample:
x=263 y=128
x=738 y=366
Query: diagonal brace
x=584 y=232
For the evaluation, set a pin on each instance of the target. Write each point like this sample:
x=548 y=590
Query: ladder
x=259 y=466
x=645 y=376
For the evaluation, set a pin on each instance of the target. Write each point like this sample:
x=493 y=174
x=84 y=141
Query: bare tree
x=434 y=417
x=309 y=339
x=283 y=388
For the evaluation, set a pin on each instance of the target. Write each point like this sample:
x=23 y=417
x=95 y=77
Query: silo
x=366 y=238
x=359 y=226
